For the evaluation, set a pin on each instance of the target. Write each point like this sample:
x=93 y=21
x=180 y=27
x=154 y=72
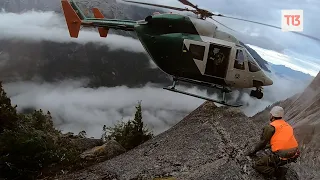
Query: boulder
x=108 y=150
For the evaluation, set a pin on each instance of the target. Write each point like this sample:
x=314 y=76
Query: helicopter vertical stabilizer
x=72 y=19
x=75 y=18
x=103 y=31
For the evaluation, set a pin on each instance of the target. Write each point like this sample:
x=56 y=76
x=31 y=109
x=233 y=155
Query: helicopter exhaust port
x=257 y=93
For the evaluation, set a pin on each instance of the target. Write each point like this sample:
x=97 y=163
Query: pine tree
x=8 y=113
x=138 y=119
x=132 y=133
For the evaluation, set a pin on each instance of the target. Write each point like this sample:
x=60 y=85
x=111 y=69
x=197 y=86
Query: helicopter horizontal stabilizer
x=201 y=97
x=75 y=17
x=97 y=14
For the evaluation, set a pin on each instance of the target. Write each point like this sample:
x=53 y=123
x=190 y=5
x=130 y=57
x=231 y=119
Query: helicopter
x=189 y=49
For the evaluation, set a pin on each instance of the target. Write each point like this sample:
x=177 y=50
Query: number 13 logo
x=292 y=20
x=295 y=20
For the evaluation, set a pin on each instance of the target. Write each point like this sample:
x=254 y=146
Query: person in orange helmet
x=279 y=136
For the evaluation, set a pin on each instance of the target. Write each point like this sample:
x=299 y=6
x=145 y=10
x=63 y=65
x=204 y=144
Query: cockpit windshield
x=253 y=65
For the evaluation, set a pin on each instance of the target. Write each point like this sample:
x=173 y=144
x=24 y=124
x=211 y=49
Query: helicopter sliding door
x=217 y=62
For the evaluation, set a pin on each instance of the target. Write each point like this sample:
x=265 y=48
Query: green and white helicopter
x=189 y=49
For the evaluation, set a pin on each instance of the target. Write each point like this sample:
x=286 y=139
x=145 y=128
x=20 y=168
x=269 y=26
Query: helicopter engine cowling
x=204 y=28
x=175 y=23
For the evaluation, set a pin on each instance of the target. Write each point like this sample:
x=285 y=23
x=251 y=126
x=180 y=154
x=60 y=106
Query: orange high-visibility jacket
x=283 y=137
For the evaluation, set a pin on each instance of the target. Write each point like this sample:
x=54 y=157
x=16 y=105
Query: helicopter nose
x=268 y=81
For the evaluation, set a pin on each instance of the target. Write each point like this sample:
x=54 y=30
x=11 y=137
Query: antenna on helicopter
x=207 y=14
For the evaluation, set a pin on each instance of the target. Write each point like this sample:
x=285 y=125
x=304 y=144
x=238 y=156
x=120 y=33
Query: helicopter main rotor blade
x=305 y=35
x=158 y=5
x=223 y=24
x=220 y=15
x=187 y=3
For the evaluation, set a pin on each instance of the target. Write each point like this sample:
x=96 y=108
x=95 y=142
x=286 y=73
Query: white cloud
x=75 y=107
x=281 y=89
x=303 y=65
x=49 y=26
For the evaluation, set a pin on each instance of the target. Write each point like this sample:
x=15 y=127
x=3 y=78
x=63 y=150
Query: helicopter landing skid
x=223 y=102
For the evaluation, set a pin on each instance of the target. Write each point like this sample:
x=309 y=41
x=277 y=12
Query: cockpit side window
x=197 y=51
x=239 y=61
x=253 y=66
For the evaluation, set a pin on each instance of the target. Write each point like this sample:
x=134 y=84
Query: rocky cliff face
x=306 y=108
x=207 y=144
x=303 y=112
x=210 y=143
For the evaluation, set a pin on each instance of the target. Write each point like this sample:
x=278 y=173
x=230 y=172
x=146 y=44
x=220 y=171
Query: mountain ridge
x=284 y=71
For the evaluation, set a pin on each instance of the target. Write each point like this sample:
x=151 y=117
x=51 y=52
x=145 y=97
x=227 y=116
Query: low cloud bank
x=50 y=26
x=290 y=59
x=282 y=88
x=75 y=107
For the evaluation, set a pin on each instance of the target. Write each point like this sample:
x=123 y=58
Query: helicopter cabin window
x=253 y=67
x=197 y=51
x=239 y=61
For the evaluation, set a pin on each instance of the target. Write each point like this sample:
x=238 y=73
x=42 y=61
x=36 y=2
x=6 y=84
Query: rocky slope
x=303 y=112
x=210 y=142
x=201 y=146
x=207 y=144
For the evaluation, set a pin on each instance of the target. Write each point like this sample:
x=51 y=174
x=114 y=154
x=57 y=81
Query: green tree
x=131 y=133
x=8 y=113
x=30 y=143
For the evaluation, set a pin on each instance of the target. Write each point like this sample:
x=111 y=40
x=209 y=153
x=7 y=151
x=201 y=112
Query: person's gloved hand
x=250 y=153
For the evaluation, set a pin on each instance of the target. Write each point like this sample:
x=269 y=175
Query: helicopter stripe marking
x=199 y=62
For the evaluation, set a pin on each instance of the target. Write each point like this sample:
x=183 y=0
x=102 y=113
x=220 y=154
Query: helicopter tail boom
x=75 y=18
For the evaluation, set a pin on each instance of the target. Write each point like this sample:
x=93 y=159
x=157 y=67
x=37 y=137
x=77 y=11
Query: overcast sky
x=297 y=48
x=50 y=26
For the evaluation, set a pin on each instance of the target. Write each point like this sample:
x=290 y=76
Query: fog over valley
x=75 y=107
